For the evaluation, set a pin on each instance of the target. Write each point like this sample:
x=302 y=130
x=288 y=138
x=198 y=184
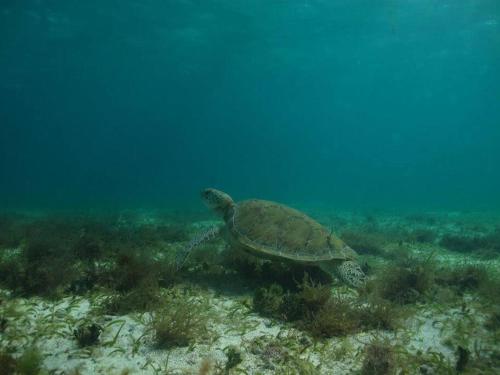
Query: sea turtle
x=271 y=230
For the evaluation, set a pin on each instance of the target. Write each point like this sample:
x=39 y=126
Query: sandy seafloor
x=266 y=345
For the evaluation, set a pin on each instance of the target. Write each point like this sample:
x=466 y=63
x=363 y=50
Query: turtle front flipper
x=182 y=255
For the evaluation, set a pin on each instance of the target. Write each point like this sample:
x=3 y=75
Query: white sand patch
x=126 y=344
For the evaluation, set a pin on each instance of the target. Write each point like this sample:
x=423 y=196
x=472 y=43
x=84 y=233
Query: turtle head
x=220 y=202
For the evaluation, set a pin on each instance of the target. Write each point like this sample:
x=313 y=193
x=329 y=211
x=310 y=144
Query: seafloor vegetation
x=94 y=293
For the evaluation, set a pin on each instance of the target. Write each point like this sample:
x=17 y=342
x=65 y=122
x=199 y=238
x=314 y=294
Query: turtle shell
x=271 y=229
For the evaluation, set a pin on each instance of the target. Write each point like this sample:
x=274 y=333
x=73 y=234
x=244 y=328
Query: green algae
x=181 y=321
x=405 y=281
x=314 y=309
x=379 y=358
x=472 y=243
x=28 y=363
x=124 y=271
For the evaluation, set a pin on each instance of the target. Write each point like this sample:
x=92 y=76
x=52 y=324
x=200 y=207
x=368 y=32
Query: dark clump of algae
x=30 y=362
x=488 y=245
x=116 y=266
x=323 y=314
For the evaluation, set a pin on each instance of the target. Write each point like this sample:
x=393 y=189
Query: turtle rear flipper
x=352 y=273
x=348 y=271
x=182 y=255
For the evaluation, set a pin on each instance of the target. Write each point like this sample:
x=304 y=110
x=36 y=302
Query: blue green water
x=380 y=104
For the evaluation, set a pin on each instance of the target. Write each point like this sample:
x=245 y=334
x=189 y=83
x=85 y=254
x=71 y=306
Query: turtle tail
x=182 y=255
